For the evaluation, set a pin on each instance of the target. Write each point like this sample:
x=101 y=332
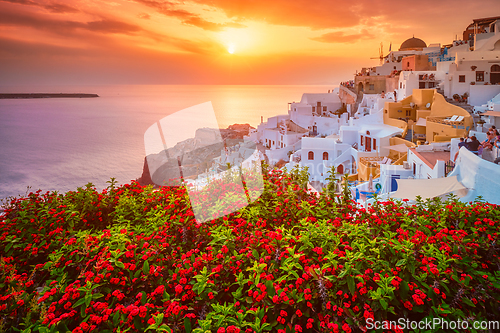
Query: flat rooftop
x=431 y=157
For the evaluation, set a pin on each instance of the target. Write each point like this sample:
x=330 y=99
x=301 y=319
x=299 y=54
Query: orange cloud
x=340 y=37
x=58 y=8
x=167 y=8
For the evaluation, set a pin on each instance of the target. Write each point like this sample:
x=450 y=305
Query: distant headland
x=47 y=95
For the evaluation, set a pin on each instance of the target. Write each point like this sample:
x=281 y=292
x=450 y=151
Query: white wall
x=480 y=176
x=480 y=94
x=423 y=171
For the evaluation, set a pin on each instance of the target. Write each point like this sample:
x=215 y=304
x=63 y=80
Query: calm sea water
x=61 y=144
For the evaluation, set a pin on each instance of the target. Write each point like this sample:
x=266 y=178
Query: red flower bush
x=135 y=258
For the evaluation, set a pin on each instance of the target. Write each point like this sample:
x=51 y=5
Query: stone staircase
x=409 y=135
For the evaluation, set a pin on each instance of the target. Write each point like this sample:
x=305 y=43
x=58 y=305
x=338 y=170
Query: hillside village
x=394 y=127
x=393 y=131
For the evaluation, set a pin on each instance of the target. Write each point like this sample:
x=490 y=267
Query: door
x=340 y=169
x=368 y=144
x=494 y=78
x=394 y=183
x=495 y=74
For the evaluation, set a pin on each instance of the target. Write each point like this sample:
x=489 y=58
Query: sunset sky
x=214 y=41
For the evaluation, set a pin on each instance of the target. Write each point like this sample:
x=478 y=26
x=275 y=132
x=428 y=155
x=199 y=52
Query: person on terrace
x=473 y=145
x=497 y=144
x=488 y=146
x=461 y=144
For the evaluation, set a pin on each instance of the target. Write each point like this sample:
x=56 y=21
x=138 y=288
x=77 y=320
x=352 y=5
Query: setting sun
x=244 y=38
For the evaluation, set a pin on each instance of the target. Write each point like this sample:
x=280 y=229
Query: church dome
x=412 y=44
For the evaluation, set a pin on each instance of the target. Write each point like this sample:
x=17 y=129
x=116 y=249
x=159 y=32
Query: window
x=325 y=156
x=461 y=78
x=479 y=76
x=495 y=68
x=324 y=108
x=408 y=113
x=314 y=109
x=421 y=85
x=400 y=85
x=372 y=87
x=362 y=140
x=310 y=155
x=421 y=77
x=432 y=84
x=374 y=144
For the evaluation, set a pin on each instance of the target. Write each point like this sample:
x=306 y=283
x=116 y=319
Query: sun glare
x=243 y=38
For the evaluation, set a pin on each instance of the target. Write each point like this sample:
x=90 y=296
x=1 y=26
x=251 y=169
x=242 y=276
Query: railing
x=448 y=167
x=444 y=121
x=371 y=162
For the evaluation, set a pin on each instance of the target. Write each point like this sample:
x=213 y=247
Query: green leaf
x=79 y=302
x=88 y=299
x=343 y=273
x=403 y=290
x=187 y=325
x=401 y=262
x=270 y=288
x=96 y=296
x=351 y=284
x=383 y=302
x=119 y=264
x=468 y=302
x=145 y=268
x=116 y=318
x=7 y=248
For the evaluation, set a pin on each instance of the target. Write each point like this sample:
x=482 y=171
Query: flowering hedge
x=134 y=259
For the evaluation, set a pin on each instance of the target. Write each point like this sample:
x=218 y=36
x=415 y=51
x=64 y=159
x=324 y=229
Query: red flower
x=299 y=313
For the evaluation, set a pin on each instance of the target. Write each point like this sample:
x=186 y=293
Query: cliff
x=195 y=154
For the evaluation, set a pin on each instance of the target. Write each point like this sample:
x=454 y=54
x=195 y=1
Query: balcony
x=450 y=121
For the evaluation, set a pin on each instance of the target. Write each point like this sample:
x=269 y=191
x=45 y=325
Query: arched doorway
x=360 y=88
x=340 y=169
x=495 y=74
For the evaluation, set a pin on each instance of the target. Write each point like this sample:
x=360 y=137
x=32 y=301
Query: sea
x=60 y=144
